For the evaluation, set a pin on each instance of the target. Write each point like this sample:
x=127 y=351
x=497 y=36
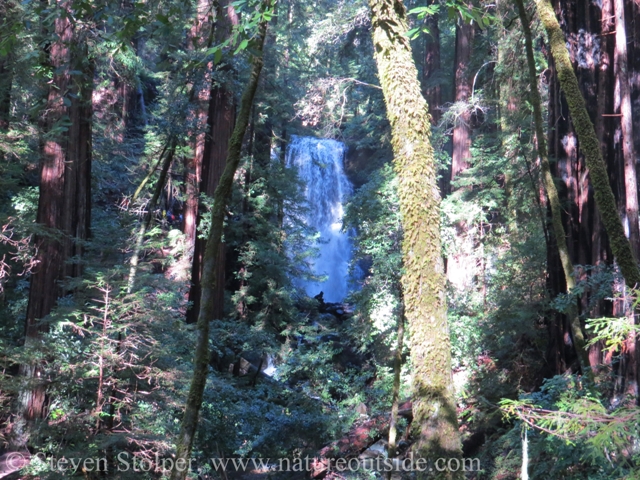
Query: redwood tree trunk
x=552 y=193
x=220 y=121
x=461 y=265
x=206 y=314
x=626 y=124
x=463 y=84
x=202 y=28
x=65 y=191
x=587 y=241
x=630 y=175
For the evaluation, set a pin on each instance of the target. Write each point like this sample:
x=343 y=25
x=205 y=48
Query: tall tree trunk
x=198 y=38
x=65 y=194
x=621 y=69
x=626 y=123
x=463 y=82
x=431 y=71
x=434 y=409
x=552 y=193
x=461 y=263
x=220 y=119
x=222 y=195
x=583 y=24
x=632 y=19
x=589 y=144
x=6 y=69
x=76 y=218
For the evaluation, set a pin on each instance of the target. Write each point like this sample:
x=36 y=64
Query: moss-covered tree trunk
x=552 y=192
x=589 y=144
x=208 y=307
x=423 y=280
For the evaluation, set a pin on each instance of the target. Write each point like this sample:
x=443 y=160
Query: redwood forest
x=326 y=239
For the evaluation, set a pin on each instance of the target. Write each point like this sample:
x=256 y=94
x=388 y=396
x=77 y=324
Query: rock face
x=341 y=311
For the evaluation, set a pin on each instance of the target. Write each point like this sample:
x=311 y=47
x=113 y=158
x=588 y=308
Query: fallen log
x=361 y=436
x=11 y=462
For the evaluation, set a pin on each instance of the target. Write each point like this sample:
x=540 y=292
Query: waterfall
x=320 y=166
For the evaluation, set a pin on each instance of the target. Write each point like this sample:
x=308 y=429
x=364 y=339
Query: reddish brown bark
x=590 y=33
x=65 y=191
x=359 y=438
x=623 y=89
x=432 y=89
x=626 y=125
x=461 y=153
x=461 y=264
x=200 y=36
x=220 y=121
x=632 y=20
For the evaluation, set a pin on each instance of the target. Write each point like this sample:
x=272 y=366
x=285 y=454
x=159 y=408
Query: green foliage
x=271 y=250
x=373 y=212
x=612 y=332
x=455 y=8
x=264 y=421
x=579 y=437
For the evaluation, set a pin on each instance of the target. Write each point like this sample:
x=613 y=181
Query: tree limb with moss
x=589 y=144
x=188 y=428
x=552 y=193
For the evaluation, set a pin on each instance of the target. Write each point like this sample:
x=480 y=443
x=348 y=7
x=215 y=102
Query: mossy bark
x=589 y=144
x=221 y=197
x=552 y=193
x=146 y=221
x=423 y=279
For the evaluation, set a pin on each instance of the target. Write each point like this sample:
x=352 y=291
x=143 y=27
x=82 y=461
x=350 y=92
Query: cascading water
x=320 y=165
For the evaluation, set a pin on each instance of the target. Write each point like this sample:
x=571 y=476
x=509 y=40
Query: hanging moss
x=552 y=193
x=423 y=280
x=589 y=145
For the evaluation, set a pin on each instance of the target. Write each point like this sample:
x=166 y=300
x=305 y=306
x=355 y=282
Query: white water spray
x=320 y=164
